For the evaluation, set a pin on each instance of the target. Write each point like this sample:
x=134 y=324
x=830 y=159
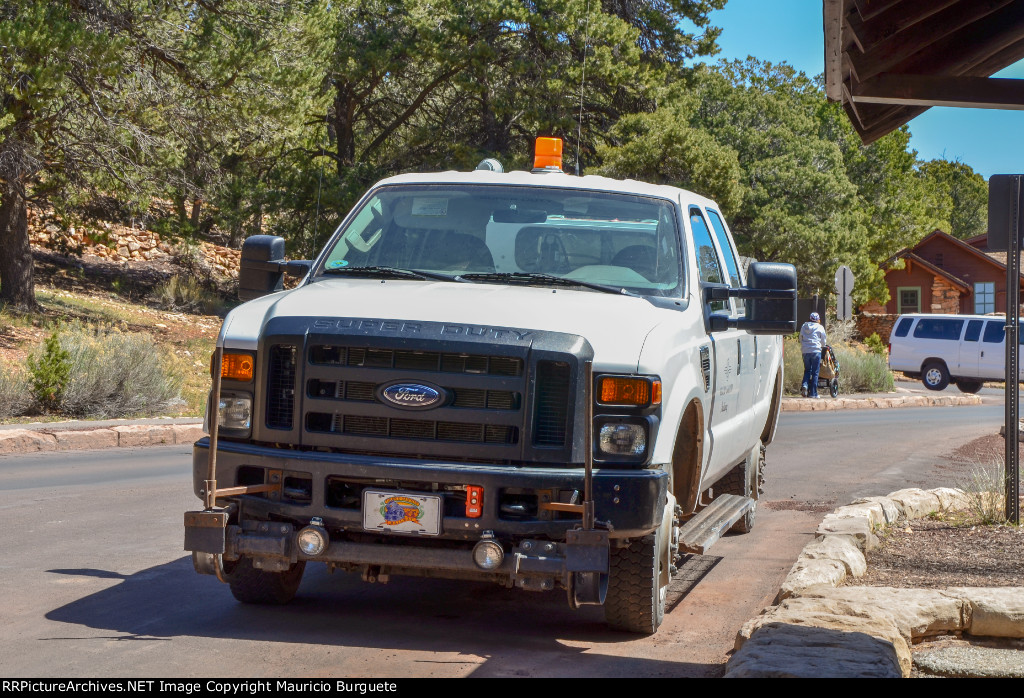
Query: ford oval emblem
x=412 y=396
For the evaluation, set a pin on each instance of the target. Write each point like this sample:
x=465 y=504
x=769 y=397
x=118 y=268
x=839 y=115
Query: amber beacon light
x=547 y=154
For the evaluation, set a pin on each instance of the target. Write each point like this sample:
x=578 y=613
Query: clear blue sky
x=790 y=31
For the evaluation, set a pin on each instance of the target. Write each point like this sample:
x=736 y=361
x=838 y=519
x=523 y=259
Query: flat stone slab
x=995 y=611
x=25 y=441
x=68 y=440
x=144 y=435
x=918 y=613
x=783 y=650
x=971 y=662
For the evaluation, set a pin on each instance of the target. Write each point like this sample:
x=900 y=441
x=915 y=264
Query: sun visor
x=442 y=211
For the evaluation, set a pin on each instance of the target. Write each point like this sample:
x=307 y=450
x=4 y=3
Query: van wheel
x=969 y=386
x=935 y=376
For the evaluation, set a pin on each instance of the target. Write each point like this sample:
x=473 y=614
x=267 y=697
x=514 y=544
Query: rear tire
x=251 y=585
x=833 y=387
x=636 y=601
x=969 y=386
x=746 y=480
x=935 y=375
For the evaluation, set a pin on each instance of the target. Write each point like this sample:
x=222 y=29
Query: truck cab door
x=728 y=426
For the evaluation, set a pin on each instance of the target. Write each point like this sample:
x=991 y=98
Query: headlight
x=622 y=439
x=235 y=412
x=488 y=553
x=312 y=540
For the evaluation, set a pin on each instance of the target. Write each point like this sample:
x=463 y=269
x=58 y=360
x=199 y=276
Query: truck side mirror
x=263 y=267
x=776 y=314
x=771 y=292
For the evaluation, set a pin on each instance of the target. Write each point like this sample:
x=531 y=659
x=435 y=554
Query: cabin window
x=984 y=297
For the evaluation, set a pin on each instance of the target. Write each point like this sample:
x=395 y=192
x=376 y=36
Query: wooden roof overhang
x=888 y=61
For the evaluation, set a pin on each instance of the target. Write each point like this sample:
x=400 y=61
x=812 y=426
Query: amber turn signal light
x=237 y=367
x=627 y=390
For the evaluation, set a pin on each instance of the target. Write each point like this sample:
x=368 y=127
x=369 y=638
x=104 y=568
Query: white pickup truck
x=542 y=380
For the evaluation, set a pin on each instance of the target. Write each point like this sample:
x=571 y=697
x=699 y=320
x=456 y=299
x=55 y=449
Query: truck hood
x=615 y=325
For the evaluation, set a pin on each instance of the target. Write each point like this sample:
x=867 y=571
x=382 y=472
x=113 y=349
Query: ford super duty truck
x=547 y=381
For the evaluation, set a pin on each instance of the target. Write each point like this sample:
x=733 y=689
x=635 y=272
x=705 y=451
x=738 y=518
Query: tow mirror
x=771 y=291
x=263 y=266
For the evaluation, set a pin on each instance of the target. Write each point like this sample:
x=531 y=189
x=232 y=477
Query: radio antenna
x=583 y=80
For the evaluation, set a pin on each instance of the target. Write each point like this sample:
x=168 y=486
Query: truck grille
x=325 y=391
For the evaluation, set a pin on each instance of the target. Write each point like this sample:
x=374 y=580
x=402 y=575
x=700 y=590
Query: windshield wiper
x=527 y=277
x=394 y=272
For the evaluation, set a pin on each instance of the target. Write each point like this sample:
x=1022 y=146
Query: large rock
x=952 y=499
x=841 y=548
x=872 y=511
x=822 y=646
x=918 y=613
x=995 y=611
x=857 y=527
x=25 y=440
x=891 y=511
x=916 y=503
x=809 y=572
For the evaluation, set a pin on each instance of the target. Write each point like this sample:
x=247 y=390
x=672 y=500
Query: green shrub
x=875 y=344
x=50 y=372
x=116 y=374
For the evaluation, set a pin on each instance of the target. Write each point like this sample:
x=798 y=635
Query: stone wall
x=121 y=244
x=945 y=298
x=869 y=323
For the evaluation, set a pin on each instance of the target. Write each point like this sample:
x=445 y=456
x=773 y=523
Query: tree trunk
x=17 y=288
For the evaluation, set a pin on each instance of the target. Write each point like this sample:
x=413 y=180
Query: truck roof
x=550 y=179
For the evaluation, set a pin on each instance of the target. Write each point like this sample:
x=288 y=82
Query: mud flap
x=586 y=561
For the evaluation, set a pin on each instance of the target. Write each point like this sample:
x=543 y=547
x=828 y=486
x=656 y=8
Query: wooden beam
x=936 y=44
x=941 y=91
x=870 y=8
x=832 y=19
x=899 y=17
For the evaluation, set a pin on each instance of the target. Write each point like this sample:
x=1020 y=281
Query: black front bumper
x=630 y=502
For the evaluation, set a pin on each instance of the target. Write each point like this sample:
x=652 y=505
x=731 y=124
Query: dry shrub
x=859 y=371
x=985 y=487
x=116 y=374
x=184 y=293
x=15 y=393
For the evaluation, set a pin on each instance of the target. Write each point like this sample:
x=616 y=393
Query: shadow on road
x=519 y=633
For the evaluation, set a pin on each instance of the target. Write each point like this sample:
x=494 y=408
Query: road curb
x=801 y=404
x=52 y=438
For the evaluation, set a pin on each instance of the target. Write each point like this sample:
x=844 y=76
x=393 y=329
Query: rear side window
x=904 y=327
x=995 y=331
x=973 y=330
x=928 y=328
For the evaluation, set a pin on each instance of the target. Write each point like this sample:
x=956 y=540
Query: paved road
x=96 y=583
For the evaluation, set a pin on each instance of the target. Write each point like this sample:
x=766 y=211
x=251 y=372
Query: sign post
x=844 y=285
x=1004 y=220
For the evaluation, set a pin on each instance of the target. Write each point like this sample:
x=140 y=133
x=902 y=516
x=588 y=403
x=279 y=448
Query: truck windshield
x=618 y=240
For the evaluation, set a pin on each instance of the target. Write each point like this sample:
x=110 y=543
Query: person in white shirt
x=812 y=342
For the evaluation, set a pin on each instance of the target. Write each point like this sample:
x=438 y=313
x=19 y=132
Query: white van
x=939 y=349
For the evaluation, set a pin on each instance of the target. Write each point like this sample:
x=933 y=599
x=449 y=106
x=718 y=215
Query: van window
x=928 y=328
x=973 y=330
x=904 y=327
x=995 y=332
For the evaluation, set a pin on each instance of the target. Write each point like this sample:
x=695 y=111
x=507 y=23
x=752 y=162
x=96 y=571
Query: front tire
x=935 y=375
x=636 y=600
x=251 y=585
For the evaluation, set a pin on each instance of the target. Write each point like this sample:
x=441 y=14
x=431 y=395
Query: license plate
x=402 y=512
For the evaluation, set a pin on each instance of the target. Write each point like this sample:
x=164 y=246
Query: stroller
x=828 y=375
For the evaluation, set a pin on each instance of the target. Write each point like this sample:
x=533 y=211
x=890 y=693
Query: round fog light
x=312 y=540
x=487 y=554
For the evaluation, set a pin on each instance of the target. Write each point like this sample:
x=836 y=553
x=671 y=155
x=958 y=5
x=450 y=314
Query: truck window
x=727 y=251
x=929 y=328
x=995 y=332
x=904 y=327
x=973 y=330
x=616 y=239
x=708 y=265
